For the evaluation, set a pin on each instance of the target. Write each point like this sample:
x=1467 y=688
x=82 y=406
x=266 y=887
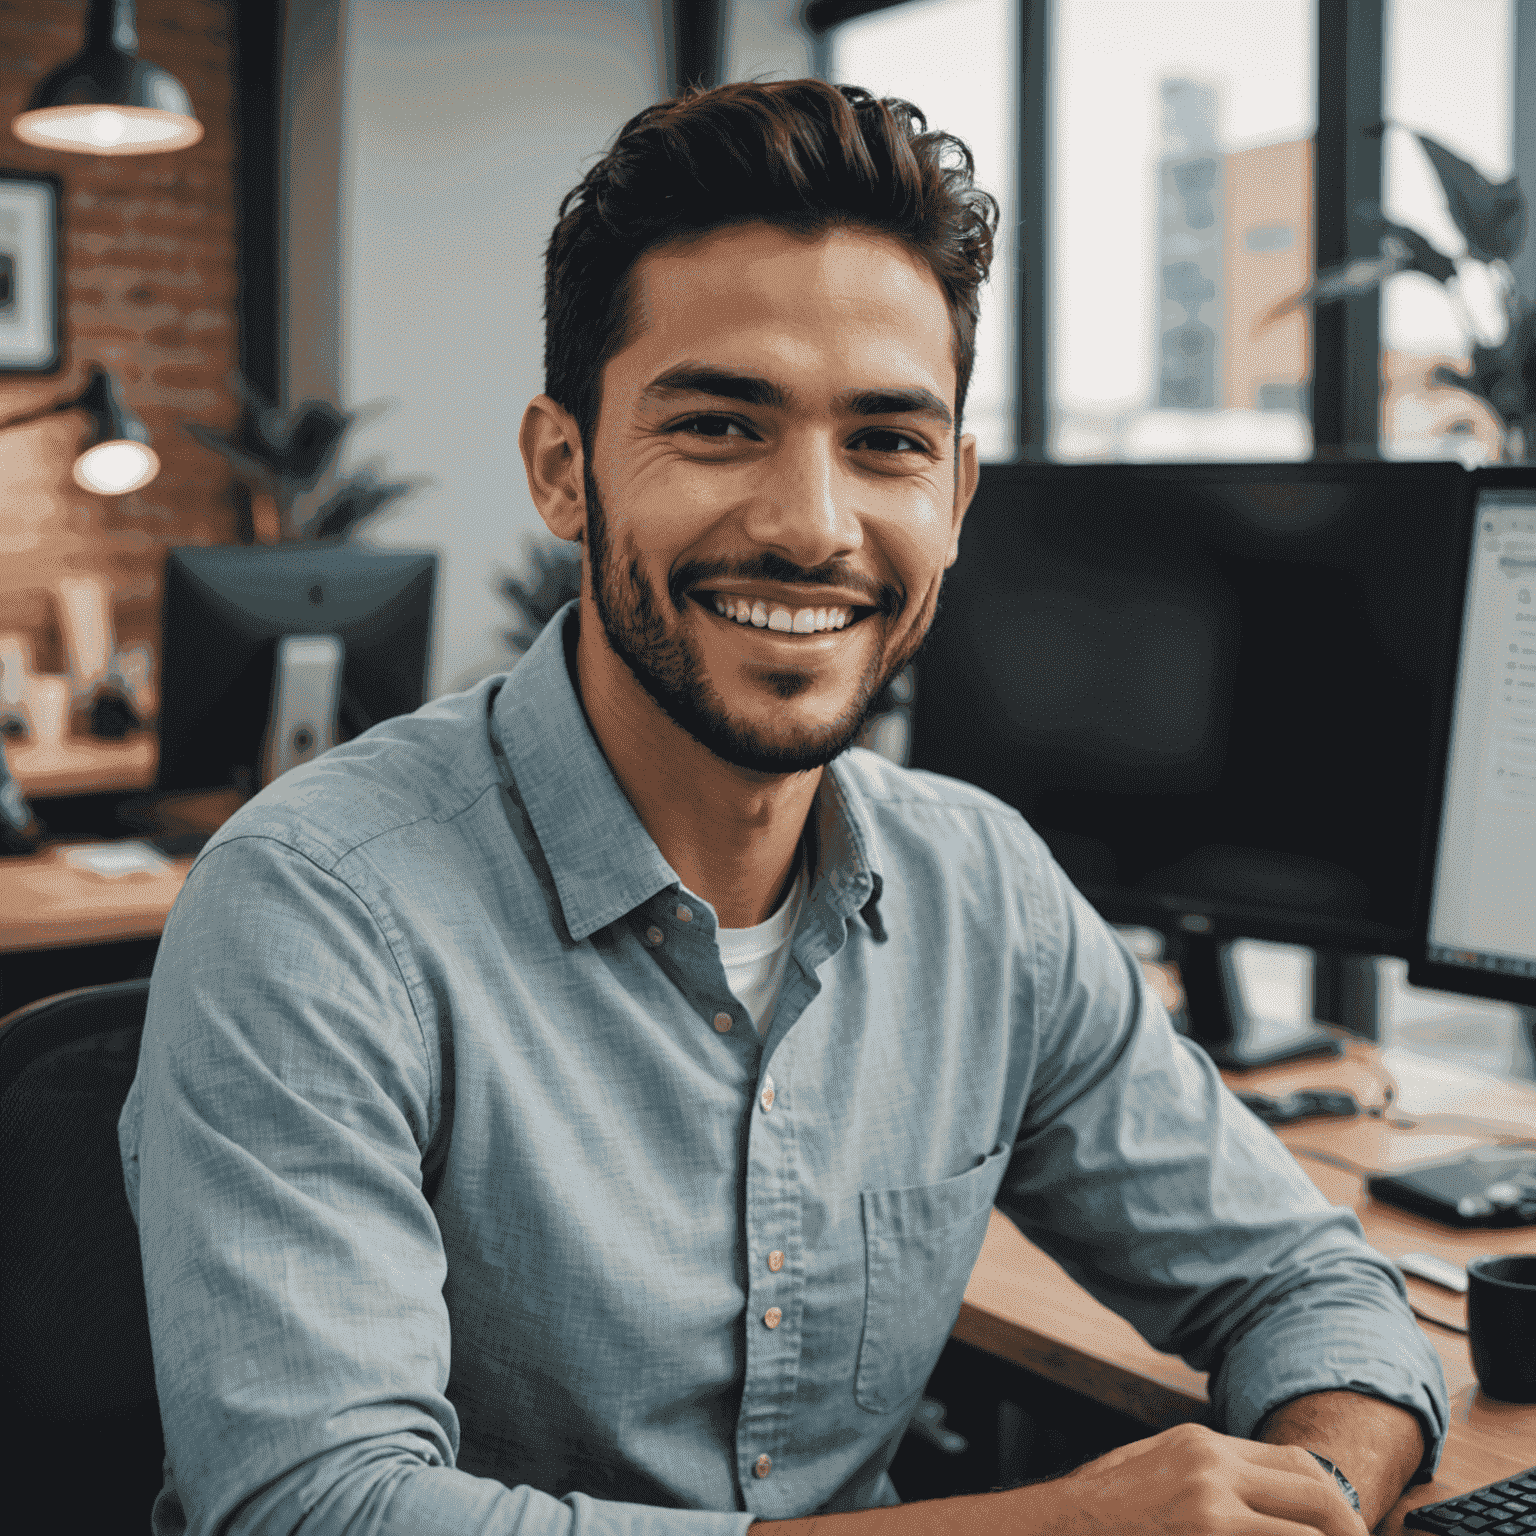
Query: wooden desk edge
x=1485 y=1441
x=1152 y=1402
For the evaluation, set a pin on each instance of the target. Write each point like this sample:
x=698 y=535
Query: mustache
x=768 y=566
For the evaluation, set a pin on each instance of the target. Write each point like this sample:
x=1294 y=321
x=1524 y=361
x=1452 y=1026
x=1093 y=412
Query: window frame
x=1344 y=399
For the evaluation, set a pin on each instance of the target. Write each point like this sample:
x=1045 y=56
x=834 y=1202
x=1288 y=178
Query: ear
x=967 y=475
x=552 y=455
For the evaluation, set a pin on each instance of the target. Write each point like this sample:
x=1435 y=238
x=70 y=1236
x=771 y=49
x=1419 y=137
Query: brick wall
x=150 y=292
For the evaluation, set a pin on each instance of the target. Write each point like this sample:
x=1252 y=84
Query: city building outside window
x=1181 y=217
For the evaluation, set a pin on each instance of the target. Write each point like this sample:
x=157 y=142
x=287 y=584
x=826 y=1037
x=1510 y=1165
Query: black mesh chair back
x=80 y=1419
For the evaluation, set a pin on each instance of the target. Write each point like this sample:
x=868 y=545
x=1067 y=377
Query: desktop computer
x=1476 y=930
x=272 y=654
x=1211 y=689
x=269 y=656
x=1476 y=918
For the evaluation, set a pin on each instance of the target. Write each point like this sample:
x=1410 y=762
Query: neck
x=731 y=834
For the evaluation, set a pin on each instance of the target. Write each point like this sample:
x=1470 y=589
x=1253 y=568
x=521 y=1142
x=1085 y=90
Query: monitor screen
x=226 y=609
x=1208 y=687
x=1479 y=928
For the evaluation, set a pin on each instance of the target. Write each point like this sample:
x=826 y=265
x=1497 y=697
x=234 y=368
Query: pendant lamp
x=106 y=100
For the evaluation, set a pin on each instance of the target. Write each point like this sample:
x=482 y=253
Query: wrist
x=1346 y=1487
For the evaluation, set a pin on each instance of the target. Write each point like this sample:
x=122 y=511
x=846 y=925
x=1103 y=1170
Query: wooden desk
x=1021 y=1306
x=48 y=904
x=82 y=765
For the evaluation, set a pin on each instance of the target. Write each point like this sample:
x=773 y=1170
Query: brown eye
x=887 y=440
x=712 y=426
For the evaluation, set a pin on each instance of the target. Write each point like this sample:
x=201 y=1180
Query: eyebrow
x=899 y=402
x=697 y=379
x=693 y=379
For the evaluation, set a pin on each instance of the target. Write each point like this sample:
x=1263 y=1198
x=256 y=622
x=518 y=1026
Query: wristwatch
x=1345 y=1486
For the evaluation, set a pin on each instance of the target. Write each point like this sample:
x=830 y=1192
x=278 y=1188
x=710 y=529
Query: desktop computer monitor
x=1477 y=913
x=270 y=654
x=1210 y=689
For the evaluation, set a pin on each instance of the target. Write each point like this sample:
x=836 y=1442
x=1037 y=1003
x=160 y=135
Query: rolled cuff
x=1350 y=1350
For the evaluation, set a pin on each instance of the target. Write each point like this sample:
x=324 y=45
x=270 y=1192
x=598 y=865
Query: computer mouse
x=1301 y=1105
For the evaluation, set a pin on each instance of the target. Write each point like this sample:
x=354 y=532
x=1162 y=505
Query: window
x=958 y=61
x=1448 y=72
x=1181 y=217
x=1180 y=169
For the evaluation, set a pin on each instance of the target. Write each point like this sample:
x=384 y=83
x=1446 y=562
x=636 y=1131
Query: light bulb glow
x=106 y=128
x=110 y=469
x=93 y=129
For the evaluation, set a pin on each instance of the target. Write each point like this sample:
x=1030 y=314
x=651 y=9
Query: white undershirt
x=755 y=959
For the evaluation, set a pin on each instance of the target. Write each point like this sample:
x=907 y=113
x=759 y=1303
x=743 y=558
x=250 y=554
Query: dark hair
x=800 y=154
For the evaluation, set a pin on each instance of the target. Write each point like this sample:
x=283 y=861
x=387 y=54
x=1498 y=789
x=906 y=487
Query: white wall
x=464 y=123
x=764 y=41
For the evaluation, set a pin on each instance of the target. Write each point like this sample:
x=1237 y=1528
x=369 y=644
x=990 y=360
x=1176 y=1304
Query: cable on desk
x=1330 y=1157
x=1359 y=1168
x=1439 y=1322
x=1504 y=1134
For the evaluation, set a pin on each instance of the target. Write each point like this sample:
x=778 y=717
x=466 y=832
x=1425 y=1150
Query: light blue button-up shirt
x=456 y=1206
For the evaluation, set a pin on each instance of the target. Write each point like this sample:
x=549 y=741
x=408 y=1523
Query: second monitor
x=270 y=654
x=1209 y=688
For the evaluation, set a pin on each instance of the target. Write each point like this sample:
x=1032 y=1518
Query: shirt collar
x=603 y=862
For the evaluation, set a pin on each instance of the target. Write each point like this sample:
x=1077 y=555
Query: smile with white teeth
x=803 y=621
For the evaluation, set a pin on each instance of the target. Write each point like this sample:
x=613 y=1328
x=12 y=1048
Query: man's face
x=775 y=444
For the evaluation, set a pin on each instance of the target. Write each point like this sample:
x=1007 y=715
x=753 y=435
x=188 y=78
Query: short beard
x=672 y=673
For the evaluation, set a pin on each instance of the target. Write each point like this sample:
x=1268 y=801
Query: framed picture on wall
x=31 y=331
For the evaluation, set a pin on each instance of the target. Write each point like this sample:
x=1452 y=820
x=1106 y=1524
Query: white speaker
x=306 y=688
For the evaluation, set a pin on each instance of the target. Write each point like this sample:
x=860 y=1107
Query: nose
x=806 y=507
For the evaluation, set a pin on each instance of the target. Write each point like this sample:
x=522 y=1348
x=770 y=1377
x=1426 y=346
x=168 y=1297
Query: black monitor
x=1210 y=689
x=1476 y=930
x=271 y=653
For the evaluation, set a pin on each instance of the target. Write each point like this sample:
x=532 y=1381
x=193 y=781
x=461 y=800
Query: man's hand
x=1187 y=1481
x=1191 y=1481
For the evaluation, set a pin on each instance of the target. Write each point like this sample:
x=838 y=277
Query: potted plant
x=279 y=457
x=1491 y=217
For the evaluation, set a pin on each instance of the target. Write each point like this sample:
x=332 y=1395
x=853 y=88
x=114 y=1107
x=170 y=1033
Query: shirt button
x=685 y=914
x=723 y=1023
x=772 y=1317
x=654 y=936
x=776 y=1261
x=762 y=1466
x=767 y=1099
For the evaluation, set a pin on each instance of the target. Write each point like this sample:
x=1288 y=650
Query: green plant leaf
x=1492 y=217
x=1423 y=256
x=554 y=579
x=361 y=495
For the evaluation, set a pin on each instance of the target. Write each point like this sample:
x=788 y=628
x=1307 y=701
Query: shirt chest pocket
x=920 y=1246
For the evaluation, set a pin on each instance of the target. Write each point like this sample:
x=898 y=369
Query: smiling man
x=579 y=1105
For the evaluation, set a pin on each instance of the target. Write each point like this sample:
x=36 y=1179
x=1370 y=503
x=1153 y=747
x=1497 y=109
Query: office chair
x=81 y=1422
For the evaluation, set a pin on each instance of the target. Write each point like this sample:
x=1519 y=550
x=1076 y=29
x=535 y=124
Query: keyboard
x=1505 y=1508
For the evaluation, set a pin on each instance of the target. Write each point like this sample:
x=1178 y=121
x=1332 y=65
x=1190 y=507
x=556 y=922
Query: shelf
x=83 y=766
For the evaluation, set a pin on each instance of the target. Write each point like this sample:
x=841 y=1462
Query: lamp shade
x=117 y=457
x=106 y=100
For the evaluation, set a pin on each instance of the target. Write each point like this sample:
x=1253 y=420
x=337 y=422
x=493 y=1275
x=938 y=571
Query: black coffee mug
x=1501 y=1325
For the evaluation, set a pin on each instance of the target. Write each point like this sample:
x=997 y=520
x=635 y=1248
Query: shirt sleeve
x=1152 y=1185
x=272 y=1147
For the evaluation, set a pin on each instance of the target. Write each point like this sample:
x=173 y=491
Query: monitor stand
x=1234 y=1038
x=306 y=693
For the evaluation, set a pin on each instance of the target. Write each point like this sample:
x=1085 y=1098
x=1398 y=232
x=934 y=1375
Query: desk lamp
x=106 y=100
x=117 y=457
